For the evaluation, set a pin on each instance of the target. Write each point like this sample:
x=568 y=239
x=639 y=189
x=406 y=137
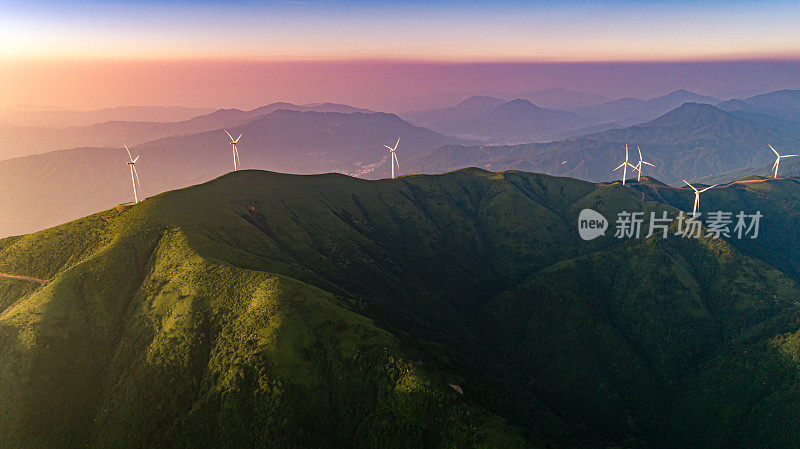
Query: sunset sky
x=92 y=54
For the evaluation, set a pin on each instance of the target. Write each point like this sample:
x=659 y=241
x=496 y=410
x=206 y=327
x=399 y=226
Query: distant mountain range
x=263 y=310
x=64 y=119
x=560 y=98
x=783 y=104
x=42 y=190
x=550 y=98
x=22 y=141
x=629 y=111
x=525 y=120
x=692 y=141
x=494 y=120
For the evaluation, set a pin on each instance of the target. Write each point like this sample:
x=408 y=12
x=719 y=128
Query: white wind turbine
x=697 y=196
x=639 y=165
x=778 y=160
x=624 y=166
x=235 y=150
x=134 y=174
x=393 y=158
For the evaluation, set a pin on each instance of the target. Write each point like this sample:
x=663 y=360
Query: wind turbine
x=639 y=165
x=697 y=196
x=134 y=174
x=624 y=166
x=393 y=158
x=778 y=160
x=235 y=150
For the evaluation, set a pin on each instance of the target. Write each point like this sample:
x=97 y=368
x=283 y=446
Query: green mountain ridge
x=269 y=310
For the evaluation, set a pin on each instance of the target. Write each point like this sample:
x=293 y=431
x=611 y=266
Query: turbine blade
x=396 y=144
x=237 y=139
x=640 y=152
x=395 y=160
x=687 y=183
x=137 y=158
x=707 y=188
x=643 y=162
x=620 y=166
x=129 y=152
x=389 y=148
x=229 y=134
x=773 y=150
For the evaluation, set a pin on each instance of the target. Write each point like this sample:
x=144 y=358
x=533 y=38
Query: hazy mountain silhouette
x=692 y=141
x=466 y=109
x=21 y=141
x=560 y=98
x=492 y=120
x=633 y=110
x=64 y=119
x=42 y=190
x=783 y=104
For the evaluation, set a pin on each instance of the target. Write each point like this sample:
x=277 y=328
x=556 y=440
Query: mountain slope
x=255 y=307
x=172 y=357
x=43 y=190
x=692 y=141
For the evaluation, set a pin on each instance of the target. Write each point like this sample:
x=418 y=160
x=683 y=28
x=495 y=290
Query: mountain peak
x=480 y=101
x=520 y=104
x=690 y=113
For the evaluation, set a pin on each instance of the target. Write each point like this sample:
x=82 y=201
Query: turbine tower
x=778 y=160
x=624 y=166
x=134 y=174
x=697 y=196
x=235 y=150
x=638 y=167
x=393 y=158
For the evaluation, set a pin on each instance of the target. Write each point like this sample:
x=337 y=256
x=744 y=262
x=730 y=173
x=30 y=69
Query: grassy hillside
x=269 y=310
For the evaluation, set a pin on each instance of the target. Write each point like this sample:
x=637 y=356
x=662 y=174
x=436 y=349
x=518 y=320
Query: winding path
x=23 y=278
